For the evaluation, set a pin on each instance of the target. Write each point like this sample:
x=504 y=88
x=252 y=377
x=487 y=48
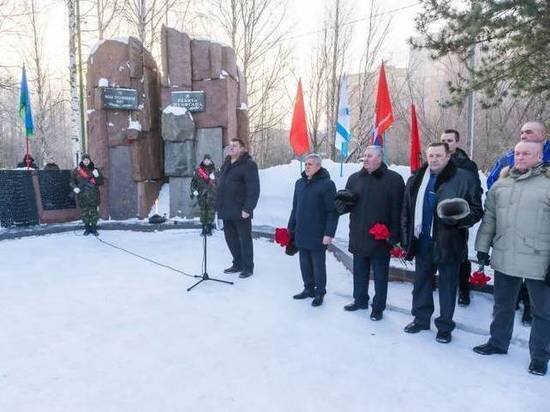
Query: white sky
x=305 y=17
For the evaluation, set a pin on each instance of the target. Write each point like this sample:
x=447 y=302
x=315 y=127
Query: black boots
x=93 y=229
x=317 y=301
x=414 y=327
x=207 y=229
x=304 y=294
x=87 y=230
x=537 y=367
x=232 y=269
x=488 y=349
x=443 y=337
x=352 y=307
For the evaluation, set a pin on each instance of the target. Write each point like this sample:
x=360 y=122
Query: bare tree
x=256 y=30
x=338 y=38
x=365 y=81
x=146 y=18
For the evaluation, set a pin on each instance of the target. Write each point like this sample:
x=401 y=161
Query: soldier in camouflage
x=203 y=187
x=85 y=181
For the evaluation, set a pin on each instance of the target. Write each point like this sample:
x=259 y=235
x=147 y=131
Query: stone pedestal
x=181 y=204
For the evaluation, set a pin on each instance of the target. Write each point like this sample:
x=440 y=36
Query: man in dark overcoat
x=379 y=194
x=236 y=197
x=312 y=225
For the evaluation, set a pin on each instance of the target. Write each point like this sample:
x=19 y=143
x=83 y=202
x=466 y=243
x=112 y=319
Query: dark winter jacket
x=462 y=161
x=449 y=240
x=238 y=188
x=380 y=196
x=313 y=215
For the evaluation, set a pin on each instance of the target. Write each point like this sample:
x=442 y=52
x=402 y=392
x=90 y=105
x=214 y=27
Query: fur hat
x=455 y=208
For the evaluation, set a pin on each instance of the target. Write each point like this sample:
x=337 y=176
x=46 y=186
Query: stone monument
x=124 y=126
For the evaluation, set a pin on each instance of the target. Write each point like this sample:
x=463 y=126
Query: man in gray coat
x=517 y=226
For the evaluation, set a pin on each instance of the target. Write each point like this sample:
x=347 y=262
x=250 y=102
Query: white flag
x=343 y=132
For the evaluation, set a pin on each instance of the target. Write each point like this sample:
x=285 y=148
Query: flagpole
x=27 y=159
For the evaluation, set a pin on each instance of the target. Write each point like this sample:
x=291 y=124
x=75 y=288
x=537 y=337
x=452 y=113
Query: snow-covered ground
x=86 y=327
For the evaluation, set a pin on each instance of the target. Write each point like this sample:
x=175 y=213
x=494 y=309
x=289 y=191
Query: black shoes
x=464 y=299
x=317 y=301
x=352 y=307
x=245 y=274
x=488 y=349
x=443 y=337
x=86 y=232
x=537 y=367
x=304 y=294
x=206 y=230
x=414 y=327
x=93 y=230
x=232 y=269
x=376 y=316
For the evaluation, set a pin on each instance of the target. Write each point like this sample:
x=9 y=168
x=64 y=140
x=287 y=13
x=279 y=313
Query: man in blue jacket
x=531 y=132
x=312 y=225
x=237 y=196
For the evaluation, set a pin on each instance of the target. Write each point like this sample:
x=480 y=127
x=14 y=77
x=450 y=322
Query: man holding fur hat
x=441 y=202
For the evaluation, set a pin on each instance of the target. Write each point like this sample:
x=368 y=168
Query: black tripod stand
x=204 y=275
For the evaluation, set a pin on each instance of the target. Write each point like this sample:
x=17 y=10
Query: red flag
x=299 y=138
x=384 y=112
x=415 y=157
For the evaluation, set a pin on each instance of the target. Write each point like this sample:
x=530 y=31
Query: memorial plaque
x=192 y=101
x=120 y=98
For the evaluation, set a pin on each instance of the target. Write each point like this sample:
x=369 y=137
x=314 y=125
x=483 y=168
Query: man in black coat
x=312 y=226
x=462 y=161
x=237 y=195
x=437 y=239
x=379 y=194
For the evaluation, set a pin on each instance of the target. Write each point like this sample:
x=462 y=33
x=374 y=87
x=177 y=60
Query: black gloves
x=483 y=258
x=345 y=201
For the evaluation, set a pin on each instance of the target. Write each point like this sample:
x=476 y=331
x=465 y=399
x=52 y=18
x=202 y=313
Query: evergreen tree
x=512 y=39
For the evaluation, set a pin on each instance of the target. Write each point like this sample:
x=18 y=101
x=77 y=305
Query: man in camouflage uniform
x=85 y=181
x=203 y=187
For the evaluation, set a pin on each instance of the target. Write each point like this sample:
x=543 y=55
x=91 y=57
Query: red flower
x=380 y=231
x=282 y=236
x=398 y=252
x=479 y=278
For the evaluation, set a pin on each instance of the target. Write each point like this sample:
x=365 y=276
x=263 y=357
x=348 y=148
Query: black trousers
x=464 y=277
x=361 y=274
x=314 y=270
x=238 y=236
x=505 y=293
x=423 y=301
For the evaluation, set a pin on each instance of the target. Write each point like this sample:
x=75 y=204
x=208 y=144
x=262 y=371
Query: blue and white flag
x=343 y=132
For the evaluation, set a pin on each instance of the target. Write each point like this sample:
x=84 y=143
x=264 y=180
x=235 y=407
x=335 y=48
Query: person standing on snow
x=516 y=226
x=236 y=198
x=440 y=203
x=85 y=181
x=462 y=161
x=203 y=187
x=379 y=195
x=312 y=225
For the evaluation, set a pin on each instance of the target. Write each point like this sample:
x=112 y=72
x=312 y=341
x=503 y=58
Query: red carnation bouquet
x=381 y=232
x=282 y=236
x=479 y=278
